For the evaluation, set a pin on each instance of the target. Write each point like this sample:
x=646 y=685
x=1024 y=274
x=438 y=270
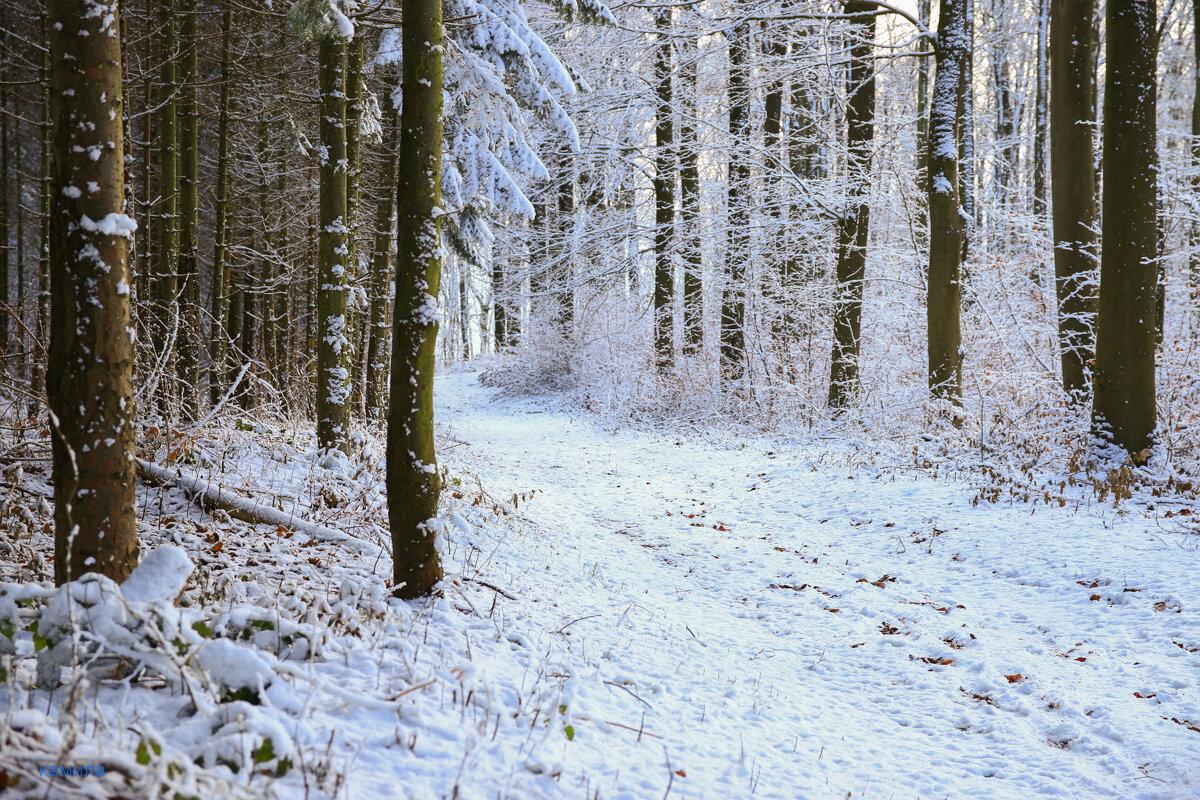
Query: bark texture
x=413 y=482
x=1073 y=189
x=90 y=376
x=946 y=223
x=1123 y=408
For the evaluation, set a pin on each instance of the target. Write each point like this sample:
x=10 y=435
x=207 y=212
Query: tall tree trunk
x=354 y=318
x=90 y=377
x=1124 y=404
x=500 y=313
x=944 y=302
x=381 y=268
x=664 y=196
x=143 y=308
x=1073 y=189
x=413 y=481
x=1040 y=108
x=1005 y=127
x=966 y=128
x=464 y=308
x=164 y=316
x=774 y=279
x=733 y=302
x=854 y=226
x=263 y=301
x=188 y=371
x=924 y=12
x=1194 y=261
x=333 y=284
x=5 y=231
x=38 y=382
x=689 y=205
x=219 y=284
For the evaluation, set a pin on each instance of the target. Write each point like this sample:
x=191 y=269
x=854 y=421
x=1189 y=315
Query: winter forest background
x=952 y=244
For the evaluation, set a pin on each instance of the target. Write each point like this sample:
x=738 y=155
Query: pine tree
x=413 y=482
x=90 y=377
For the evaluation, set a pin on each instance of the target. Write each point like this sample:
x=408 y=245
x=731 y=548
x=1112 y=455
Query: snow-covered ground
x=632 y=614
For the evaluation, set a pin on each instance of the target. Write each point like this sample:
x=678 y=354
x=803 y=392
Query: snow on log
x=210 y=495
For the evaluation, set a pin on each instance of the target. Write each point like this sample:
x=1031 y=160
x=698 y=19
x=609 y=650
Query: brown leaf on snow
x=1016 y=678
x=1187 y=723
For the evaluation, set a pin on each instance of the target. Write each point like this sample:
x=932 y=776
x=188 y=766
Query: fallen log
x=211 y=496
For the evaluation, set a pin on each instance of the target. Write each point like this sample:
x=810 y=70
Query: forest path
x=776 y=628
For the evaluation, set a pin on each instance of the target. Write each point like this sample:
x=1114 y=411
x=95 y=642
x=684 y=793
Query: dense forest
x=243 y=241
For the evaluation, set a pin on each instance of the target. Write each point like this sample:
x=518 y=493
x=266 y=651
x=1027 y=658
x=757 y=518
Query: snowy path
x=778 y=630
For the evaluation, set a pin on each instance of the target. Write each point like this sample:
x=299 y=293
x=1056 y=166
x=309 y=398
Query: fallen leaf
x=681 y=773
x=1016 y=678
x=937 y=662
x=1094 y=597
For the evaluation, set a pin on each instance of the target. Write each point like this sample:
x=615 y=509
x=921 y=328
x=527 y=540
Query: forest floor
x=638 y=614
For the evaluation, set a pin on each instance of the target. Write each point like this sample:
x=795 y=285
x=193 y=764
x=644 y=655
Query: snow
x=160 y=577
x=110 y=225
x=634 y=614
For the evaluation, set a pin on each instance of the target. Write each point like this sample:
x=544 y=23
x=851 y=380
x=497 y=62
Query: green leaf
x=265 y=752
x=282 y=767
x=201 y=627
x=570 y=732
x=143 y=753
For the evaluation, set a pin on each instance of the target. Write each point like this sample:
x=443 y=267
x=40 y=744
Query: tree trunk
x=689 y=206
x=219 y=287
x=1005 y=128
x=464 y=307
x=923 y=13
x=333 y=343
x=1040 y=109
x=164 y=317
x=90 y=376
x=355 y=324
x=1194 y=262
x=413 y=481
x=775 y=281
x=664 y=196
x=500 y=314
x=5 y=233
x=966 y=128
x=1073 y=189
x=733 y=302
x=1124 y=404
x=854 y=226
x=381 y=269
x=38 y=381
x=188 y=371
x=944 y=302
